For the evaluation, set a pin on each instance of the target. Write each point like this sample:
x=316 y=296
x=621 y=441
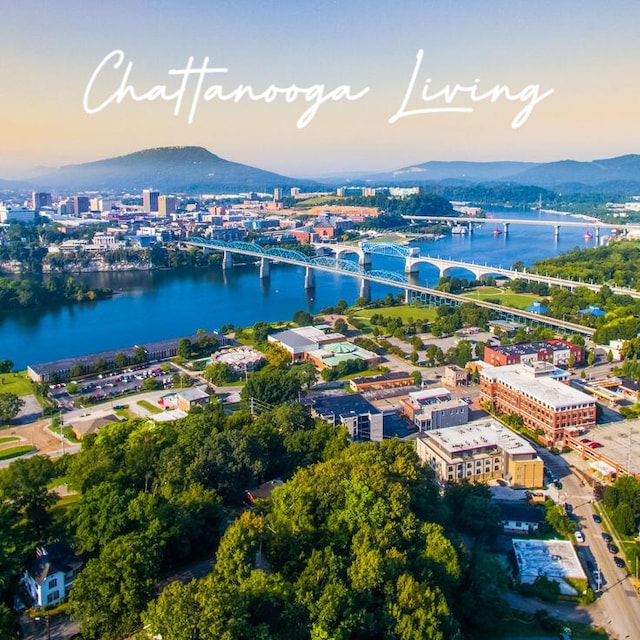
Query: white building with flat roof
x=480 y=451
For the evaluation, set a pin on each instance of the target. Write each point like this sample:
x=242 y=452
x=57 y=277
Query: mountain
x=169 y=169
x=622 y=171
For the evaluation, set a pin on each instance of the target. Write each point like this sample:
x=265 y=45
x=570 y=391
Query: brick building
x=557 y=352
x=529 y=390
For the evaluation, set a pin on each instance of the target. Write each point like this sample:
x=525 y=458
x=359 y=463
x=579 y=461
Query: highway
x=617 y=608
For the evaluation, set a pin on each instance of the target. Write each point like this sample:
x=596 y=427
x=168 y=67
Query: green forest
x=27 y=293
x=358 y=542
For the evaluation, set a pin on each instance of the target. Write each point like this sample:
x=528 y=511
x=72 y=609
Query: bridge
x=412 y=258
x=388 y=278
x=507 y=222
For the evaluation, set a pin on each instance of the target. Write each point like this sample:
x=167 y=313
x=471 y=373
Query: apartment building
x=546 y=405
x=480 y=451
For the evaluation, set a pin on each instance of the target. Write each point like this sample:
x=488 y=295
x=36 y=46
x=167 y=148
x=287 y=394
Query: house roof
x=81 y=429
x=192 y=394
x=520 y=512
x=52 y=558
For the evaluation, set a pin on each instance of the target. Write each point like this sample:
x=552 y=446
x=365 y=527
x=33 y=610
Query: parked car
x=579 y=536
x=612 y=548
x=619 y=561
x=596 y=518
x=557 y=484
x=606 y=537
x=594 y=445
x=585 y=440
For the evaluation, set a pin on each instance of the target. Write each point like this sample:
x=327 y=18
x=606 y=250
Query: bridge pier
x=410 y=266
x=557 y=231
x=365 y=289
x=505 y=228
x=597 y=234
x=227 y=259
x=309 y=278
x=470 y=228
x=364 y=257
x=265 y=268
x=407 y=296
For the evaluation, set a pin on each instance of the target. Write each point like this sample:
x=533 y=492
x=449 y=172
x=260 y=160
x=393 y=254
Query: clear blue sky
x=587 y=51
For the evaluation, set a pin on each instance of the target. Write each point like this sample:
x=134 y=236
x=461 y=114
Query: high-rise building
x=40 y=200
x=277 y=194
x=150 y=200
x=167 y=205
x=80 y=205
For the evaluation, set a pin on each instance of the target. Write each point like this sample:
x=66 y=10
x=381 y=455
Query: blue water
x=163 y=304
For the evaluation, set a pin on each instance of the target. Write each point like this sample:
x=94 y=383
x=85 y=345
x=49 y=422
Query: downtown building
x=547 y=406
x=480 y=451
x=557 y=352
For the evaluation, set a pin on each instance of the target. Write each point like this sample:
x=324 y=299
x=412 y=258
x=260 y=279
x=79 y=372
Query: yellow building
x=480 y=451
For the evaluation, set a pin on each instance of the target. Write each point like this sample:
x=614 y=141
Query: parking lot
x=109 y=386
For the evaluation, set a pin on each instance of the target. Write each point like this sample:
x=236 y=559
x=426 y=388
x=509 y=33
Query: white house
x=51 y=574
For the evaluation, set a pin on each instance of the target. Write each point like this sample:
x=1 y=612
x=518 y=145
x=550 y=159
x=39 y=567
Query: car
x=579 y=536
x=618 y=561
x=594 y=445
x=585 y=440
x=568 y=508
x=596 y=518
x=612 y=548
x=607 y=537
x=558 y=484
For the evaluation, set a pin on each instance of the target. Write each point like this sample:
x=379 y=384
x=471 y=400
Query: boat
x=588 y=235
x=497 y=231
x=458 y=230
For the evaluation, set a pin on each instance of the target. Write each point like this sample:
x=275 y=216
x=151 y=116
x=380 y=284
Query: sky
x=531 y=80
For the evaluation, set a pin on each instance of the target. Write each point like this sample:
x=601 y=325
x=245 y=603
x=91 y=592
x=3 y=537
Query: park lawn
x=14 y=452
x=403 y=311
x=151 y=408
x=16 y=383
x=507 y=298
x=9 y=439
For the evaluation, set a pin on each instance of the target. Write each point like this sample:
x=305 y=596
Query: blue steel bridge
x=361 y=270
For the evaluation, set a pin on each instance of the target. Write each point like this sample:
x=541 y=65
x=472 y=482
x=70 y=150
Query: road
x=617 y=608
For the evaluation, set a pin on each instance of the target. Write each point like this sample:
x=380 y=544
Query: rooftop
x=555 y=559
x=545 y=390
x=343 y=405
x=477 y=434
x=527 y=348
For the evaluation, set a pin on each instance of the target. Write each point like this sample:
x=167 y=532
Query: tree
x=609 y=356
x=184 y=348
x=623 y=519
x=591 y=357
x=120 y=360
x=277 y=355
x=219 y=374
x=25 y=483
x=340 y=326
x=175 y=613
x=10 y=405
x=6 y=366
x=150 y=384
x=302 y=318
x=416 y=374
x=112 y=590
x=260 y=331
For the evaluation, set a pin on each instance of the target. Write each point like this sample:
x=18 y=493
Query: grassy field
x=14 y=452
x=405 y=312
x=506 y=297
x=17 y=383
x=9 y=439
x=151 y=408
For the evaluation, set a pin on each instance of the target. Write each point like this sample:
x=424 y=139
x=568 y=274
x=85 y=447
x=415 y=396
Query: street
x=617 y=608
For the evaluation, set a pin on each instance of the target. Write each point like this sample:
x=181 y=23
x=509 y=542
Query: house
x=85 y=427
x=520 y=518
x=186 y=399
x=455 y=376
x=51 y=573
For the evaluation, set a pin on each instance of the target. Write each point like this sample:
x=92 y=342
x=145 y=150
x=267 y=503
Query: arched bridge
x=348 y=268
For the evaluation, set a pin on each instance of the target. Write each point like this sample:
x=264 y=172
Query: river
x=164 y=304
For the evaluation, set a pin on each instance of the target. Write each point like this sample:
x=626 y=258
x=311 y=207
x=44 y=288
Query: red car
x=594 y=445
x=585 y=440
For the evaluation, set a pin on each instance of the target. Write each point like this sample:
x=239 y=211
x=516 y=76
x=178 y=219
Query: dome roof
x=341 y=347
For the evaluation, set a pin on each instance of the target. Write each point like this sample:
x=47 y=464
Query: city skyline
x=309 y=89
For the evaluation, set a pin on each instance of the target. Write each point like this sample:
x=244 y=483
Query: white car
x=579 y=536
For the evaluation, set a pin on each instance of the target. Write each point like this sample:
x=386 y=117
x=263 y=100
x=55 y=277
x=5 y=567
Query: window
x=53 y=583
x=54 y=596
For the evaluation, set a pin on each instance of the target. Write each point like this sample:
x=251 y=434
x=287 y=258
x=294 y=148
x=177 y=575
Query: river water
x=164 y=304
